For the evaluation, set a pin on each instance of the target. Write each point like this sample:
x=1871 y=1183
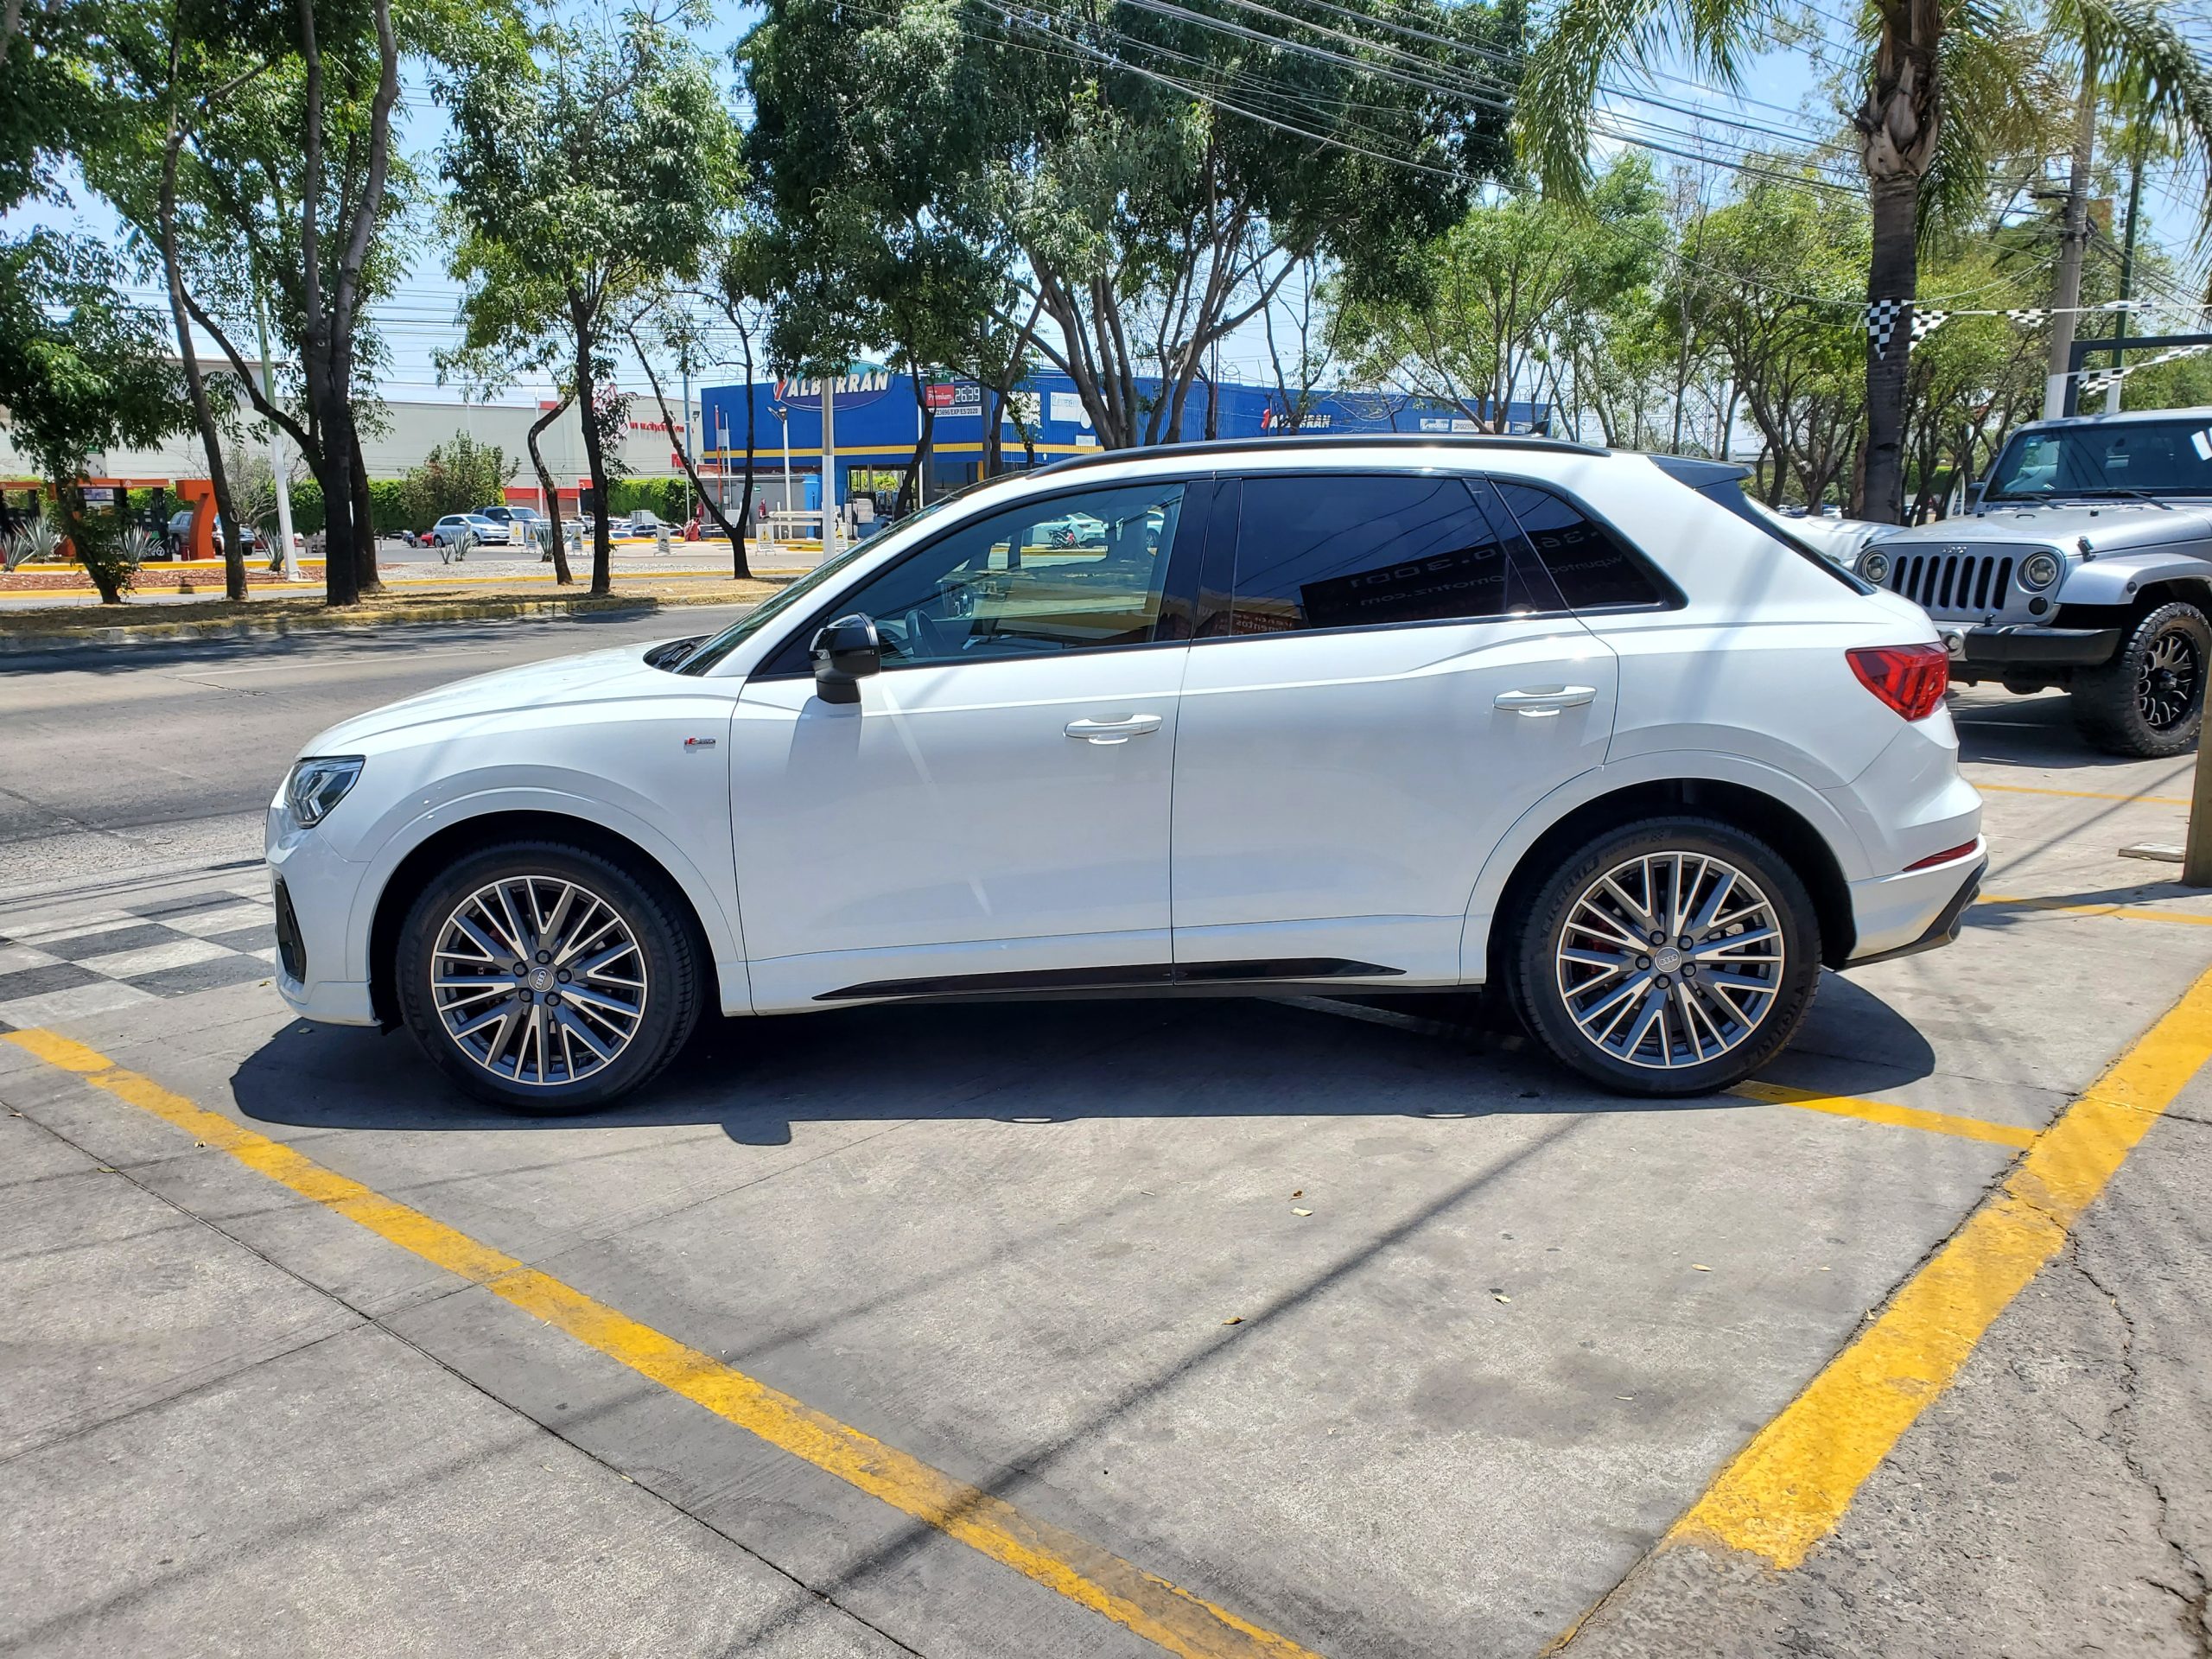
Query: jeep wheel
x=2149 y=700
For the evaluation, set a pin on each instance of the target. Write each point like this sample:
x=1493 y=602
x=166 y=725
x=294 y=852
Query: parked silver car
x=2086 y=562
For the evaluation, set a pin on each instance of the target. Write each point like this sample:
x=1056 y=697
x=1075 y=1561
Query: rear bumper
x=1902 y=915
x=2024 y=646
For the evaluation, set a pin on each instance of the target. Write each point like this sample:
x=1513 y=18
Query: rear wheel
x=2149 y=700
x=544 y=978
x=1673 y=957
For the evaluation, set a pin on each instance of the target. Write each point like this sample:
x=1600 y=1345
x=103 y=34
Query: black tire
x=1769 y=1019
x=2148 y=701
x=655 y=921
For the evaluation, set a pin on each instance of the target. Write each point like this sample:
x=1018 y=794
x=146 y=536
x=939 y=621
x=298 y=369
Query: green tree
x=460 y=475
x=1143 y=180
x=585 y=170
x=81 y=371
x=1502 y=287
x=1944 y=90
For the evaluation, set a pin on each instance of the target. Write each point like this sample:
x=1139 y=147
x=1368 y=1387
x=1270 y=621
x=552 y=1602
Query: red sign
x=939 y=397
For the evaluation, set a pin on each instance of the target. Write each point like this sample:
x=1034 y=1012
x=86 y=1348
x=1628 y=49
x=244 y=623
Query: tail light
x=1909 y=678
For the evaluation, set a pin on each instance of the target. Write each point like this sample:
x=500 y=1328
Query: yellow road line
x=2080 y=794
x=1881 y=1111
x=1789 y=1487
x=2125 y=913
x=1156 y=1610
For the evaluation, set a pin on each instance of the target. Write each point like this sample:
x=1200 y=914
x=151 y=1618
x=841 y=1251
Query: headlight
x=318 y=784
x=1875 y=567
x=2040 y=570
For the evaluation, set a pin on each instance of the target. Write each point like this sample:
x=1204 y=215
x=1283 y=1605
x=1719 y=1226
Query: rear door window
x=1338 y=550
x=1591 y=566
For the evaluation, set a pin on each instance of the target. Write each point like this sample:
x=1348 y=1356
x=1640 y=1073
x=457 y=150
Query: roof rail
x=1301 y=440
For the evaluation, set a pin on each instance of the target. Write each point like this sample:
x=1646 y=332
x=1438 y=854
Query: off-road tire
x=2112 y=701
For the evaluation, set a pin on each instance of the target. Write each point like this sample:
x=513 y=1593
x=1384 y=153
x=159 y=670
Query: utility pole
x=2127 y=276
x=828 y=466
x=691 y=508
x=291 y=558
x=2073 y=242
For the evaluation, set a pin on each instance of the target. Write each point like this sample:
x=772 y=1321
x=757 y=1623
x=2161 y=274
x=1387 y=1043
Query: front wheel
x=544 y=978
x=1673 y=957
x=2149 y=700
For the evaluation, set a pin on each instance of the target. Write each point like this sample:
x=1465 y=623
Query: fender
x=1665 y=766
x=2116 y=579
x=486 y=793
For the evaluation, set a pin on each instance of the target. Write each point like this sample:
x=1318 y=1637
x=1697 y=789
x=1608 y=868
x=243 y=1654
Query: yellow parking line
x=1791 y=1485
x=2125 y=913
x=1173 y=1618
x=1880 y=1112
x=2080 y=794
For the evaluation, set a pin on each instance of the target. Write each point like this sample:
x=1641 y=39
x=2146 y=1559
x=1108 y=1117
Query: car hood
x=617 y=674
x=2110 y=526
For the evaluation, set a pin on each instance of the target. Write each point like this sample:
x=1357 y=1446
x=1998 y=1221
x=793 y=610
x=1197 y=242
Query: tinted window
x=1066 y=572
x=1587 y=561
x=1352 y=551
x=2154 y=457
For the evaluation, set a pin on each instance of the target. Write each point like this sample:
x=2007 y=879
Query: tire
x=1741 y=1028
x=2148 y=701
x=565 y=1045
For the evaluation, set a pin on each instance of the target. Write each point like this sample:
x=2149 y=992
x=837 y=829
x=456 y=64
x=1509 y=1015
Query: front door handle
x=1114 y=731
x=1539 y=702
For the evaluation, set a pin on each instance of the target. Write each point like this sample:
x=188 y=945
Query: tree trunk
x=927 y=419
x=365 y=579
x=333 y=473
x=1893 y=274
x=603 y=542
x=561 y=578
x=739 y=567
x=195 y=383
x=2074 y=240
x=69 y=500
x=684 y=454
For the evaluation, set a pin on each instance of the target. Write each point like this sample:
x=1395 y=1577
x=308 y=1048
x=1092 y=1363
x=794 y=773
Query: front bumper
x=2016 y=646
x=315 y=890
x=1917 y=910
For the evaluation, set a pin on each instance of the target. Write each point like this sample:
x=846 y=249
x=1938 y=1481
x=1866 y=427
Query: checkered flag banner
x=1882 y=317
x=2097 y=380
x=2030 y=316
x=1882 y=320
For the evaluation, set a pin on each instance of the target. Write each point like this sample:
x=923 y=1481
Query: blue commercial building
x=877 y=422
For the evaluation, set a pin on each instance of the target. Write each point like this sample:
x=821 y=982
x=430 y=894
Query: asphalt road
x=1390 y=1340
x=148 y=756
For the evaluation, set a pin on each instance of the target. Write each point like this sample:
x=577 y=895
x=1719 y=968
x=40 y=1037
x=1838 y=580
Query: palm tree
x=1947 y=86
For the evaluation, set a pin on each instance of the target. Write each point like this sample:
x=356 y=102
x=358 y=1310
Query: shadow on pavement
x=1038 y=1063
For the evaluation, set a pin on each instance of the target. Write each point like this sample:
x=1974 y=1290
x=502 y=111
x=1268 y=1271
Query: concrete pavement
x=1057 y=1251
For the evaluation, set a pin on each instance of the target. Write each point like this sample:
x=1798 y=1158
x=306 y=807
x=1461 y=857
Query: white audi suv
x=1356 y=714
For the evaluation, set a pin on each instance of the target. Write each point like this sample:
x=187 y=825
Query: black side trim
x=1940 y=931
x=1144 y=976
x=291 y=950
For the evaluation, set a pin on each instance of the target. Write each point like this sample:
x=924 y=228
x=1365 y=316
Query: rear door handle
x=1538 y=702
x=1114 y=731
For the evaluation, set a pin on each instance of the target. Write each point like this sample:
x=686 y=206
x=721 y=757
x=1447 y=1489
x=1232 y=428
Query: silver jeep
x=2086 y=562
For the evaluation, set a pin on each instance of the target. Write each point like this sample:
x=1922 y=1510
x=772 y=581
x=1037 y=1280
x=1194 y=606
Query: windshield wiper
x=2123 y=489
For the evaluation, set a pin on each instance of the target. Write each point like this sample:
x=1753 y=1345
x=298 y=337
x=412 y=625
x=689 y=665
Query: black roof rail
x=1301 y=440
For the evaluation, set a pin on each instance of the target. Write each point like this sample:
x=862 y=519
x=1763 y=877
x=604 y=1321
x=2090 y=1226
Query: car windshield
x=2118 y=458
x=703 y=660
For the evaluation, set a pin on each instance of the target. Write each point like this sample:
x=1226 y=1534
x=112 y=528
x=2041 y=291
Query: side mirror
x=845 y=653
x=1973 y=494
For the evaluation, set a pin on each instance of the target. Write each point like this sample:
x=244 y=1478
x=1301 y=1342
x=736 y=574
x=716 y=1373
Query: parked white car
x=450 y=530
x=1338 y=714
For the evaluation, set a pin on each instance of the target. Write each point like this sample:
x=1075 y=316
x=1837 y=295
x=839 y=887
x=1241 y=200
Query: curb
x=131 y=633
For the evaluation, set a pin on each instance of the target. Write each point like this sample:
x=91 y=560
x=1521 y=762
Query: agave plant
x=138 y=545
x=36 y=543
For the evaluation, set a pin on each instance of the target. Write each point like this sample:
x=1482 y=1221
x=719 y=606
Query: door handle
x=1114 y=731
x=1539 y=701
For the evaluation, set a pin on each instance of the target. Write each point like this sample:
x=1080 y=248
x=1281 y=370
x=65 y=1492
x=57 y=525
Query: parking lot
x=1225 y=1327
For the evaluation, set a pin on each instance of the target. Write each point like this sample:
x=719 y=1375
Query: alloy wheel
x=538 y=980
x=1671 y=960
x=2166 y=684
